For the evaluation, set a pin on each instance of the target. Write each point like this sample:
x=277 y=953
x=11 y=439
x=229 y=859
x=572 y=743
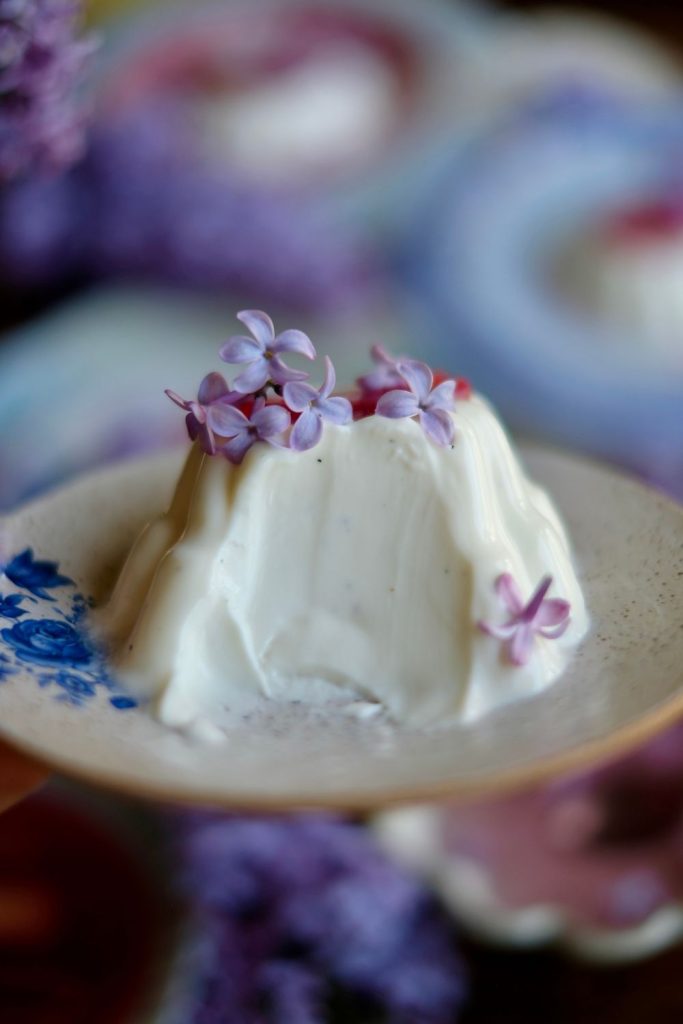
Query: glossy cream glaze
x=354 y=572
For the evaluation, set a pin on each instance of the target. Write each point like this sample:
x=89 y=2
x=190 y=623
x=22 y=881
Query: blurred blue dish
x=84 y=385
x=485 y=253
x=344 y=101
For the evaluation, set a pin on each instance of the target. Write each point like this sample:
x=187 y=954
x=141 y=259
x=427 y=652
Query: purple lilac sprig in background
x=302 y=920
x=273 y=402
x=42 y=62
x=143 y=204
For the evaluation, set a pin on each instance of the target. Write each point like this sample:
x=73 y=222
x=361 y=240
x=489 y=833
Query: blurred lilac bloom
x=386 y=373
x=262 y=352
x=41 y=65
x=430 y=406
x=295 y=911
x=267 y=423
x=547 y=617
x=315 y=406
x=214 y=391
x=147 y=203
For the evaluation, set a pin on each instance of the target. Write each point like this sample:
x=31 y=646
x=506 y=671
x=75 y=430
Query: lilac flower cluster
x=302 y=919
x=145 y=204
x=41 y=64
x=259 y=407
x=268 y=393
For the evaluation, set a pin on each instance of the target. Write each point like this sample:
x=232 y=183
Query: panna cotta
x=396 y=560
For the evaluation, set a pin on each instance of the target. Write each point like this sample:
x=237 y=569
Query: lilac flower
x=294 y=914
x=41 y=64
x=430 y=406
x=262 y=352
x=267 y=423
x=315 y=406
x=386 y=375
x=547 y=617
x=214 y=391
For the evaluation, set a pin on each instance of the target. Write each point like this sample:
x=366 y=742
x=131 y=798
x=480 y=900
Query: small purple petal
x=397 y=404
x=239 y=349
x=226 y=420
x=552 y=612
x=335 y=410
x=255 y=377
x=382 y=357
x=294 y=341
x=442 y=397
x=280 y=373
x=299 y=396
x=508 y=591
x=177 y=399
x=553 y=632
x=192 y=426
x=438 y=425
x=306 y=432
x=418 y=377
x=198 y=411
x=385 y=375
x=520 y=646
x=504 y=632
x=330 y=379
x=260 y=325
x=380 y=379
x=530 y=612
x=271 y=420
x=206 y=439
x=200 y=431
x=213 y=387
x=237 y=447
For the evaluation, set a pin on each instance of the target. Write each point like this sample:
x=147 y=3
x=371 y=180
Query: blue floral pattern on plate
x=53 y=641
x=37 y=577
x=10 y=606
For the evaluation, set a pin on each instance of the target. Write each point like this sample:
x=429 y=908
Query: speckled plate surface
x=59 y=701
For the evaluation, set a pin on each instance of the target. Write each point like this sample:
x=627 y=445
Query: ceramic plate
x=470 y=889
x=59 y=701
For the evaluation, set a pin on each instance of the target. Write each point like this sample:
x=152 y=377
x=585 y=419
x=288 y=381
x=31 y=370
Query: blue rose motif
x=10 y=606
x=37 y=577
x=75 y=687
x=6 y=668
x=47 y=642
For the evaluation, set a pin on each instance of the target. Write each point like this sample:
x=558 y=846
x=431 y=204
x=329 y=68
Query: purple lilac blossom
x=542 y=616
x=315 y=407
x=298 y=915
x=214 y=391
x=41 y=66
x=431 y=407
x=386 y=374
x=266 y=423
x=143 y=204
x=263 y=352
